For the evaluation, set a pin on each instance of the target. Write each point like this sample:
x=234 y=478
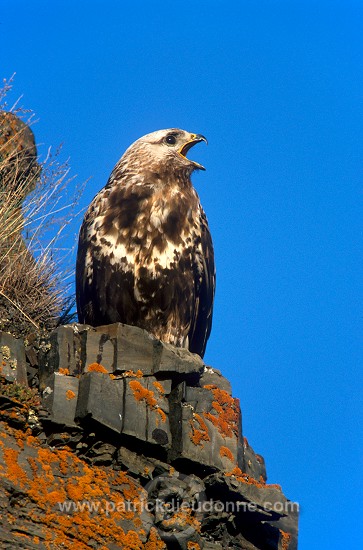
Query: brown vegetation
x=33 y=295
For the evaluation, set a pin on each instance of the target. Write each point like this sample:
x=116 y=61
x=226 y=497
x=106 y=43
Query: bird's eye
x=170 y=139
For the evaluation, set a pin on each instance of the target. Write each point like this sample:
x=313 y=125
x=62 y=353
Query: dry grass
x=33 y=217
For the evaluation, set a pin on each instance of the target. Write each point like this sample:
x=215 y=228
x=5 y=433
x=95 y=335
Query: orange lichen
x=286 y=538
x=159 y=387
x=226 y=419
x=64 y=467
x=96 y=367
x=15 y=472
x=20 y=442
x=193 y=546
x=48 y=478
x=132 y=374
x=244 y=478
x=88 y=486
x=20 y=535
x=161 y=414
x=32 y=441
x=182 y=517
x=200 y=434
x=154 y=542
x=63 y=371
x=224 y=451
x=210 y=386
x=143 y=394
x=70 y=394
x=274 y=486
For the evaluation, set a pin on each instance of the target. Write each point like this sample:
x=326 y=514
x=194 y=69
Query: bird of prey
x=145 y=253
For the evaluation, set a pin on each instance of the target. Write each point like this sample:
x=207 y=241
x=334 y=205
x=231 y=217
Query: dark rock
x=116 y=399
x=176 y=361
x=12 y=359
x=202 y=434
x=257 y=504
x=32 y=376
x=101 y=453
x=32 y=488
x=139 y=465
x=98 y=349
x=213 y=377
x=101 y=399
x=60 y=399
x=200 y=399
x=115 y=348
x=254 y=464
x=176 y=501
x=61 y=353
x=166 y=385
x=212 y=546
x=146 y=411
x=64 y=439
x=31 y=356
x=133 y=348
x=13 y=412
x=262 y=498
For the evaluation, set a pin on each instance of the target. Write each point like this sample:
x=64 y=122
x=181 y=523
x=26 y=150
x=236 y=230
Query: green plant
x=28 y=396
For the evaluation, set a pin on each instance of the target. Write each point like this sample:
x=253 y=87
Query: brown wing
x=84 y=291
x=104 y=292
x=202 y=322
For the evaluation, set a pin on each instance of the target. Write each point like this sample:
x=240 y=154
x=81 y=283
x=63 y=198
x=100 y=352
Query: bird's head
x=167 y=150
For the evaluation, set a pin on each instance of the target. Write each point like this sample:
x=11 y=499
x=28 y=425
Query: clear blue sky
x=276 y=86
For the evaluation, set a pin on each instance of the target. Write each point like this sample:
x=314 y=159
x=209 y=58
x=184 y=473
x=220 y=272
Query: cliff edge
x=112 y=439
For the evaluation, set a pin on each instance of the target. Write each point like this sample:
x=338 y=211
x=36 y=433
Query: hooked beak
x=195 y=138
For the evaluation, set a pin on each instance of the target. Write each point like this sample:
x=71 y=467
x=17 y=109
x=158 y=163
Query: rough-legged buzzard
x=145 y=254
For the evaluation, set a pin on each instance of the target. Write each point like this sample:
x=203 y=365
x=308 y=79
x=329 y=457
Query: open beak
x=195 y=138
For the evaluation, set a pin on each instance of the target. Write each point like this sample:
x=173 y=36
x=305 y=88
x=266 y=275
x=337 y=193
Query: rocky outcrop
x=122 y=441
x=18 y=155
x=31 y=290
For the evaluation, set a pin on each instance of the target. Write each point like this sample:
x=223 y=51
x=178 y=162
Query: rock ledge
x=111 y=439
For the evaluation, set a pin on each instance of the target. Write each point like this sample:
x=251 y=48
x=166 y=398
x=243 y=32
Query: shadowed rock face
x=143 y=430
x=18 y=154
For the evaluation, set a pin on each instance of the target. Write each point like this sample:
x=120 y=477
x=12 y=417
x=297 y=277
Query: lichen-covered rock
x=143 y=431
x=146 y=411
x=60 y=399
x=208 y=427
x=51 y=499
x=12 y=359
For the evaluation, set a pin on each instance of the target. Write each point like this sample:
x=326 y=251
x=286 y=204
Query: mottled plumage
x=145 y=254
